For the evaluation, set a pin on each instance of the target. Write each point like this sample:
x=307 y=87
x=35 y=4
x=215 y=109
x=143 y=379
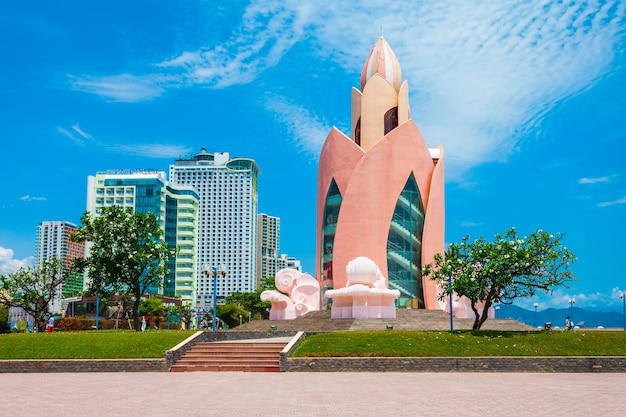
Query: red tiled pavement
x=311 y=394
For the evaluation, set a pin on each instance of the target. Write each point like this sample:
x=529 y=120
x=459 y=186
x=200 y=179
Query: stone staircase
x=406 y=319
x=245 y=356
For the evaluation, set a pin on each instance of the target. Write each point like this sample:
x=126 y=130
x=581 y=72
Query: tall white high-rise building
x=268 y=246
x=227 y=221
x=53 y=243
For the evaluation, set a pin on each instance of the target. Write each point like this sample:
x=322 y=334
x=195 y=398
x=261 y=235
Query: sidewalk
x=311 y=394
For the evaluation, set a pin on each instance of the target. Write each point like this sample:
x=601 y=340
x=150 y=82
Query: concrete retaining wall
x=475 y=364
x=84 y=365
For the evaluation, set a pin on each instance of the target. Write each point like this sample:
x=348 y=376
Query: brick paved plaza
x=308 y=394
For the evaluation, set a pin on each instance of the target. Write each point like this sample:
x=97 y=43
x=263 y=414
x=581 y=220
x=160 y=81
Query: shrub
x=71 y=324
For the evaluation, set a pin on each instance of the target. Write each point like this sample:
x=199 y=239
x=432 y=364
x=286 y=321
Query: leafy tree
x=152 y=306
x=251 y=301
x=503 y=270
x=126 y=254
x=4 y=318
x=229 y=314
x=32 y=288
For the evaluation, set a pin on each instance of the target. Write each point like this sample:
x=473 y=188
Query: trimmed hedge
x=71 y=324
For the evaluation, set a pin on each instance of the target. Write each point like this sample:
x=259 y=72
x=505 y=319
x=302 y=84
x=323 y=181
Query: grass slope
x=463 y=343
x=90 y=345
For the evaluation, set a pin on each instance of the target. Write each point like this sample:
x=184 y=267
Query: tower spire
x=381 y=60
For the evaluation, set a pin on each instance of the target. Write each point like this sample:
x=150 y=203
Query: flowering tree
x=33 y=288
x=503 y=270
x=127 y=253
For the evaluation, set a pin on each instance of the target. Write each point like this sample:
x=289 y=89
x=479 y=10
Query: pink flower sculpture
x=381 y=192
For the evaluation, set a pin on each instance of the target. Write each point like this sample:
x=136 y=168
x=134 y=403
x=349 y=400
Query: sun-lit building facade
x=53 y=243
x=381 y=191
x=227 y=220
x=176 y=208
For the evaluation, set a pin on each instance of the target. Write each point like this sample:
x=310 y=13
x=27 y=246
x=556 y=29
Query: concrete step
x=243 y=356
x=406 y=319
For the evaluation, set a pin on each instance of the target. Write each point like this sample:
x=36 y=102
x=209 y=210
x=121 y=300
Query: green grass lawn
x=116 y=344
x=105 y=344
x=464 y=343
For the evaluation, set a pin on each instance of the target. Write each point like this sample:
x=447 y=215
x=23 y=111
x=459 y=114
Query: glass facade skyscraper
x=176 y=208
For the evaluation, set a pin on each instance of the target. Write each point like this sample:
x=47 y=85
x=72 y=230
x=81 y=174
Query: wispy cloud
x=148 y=150
x=7 y=262
x=68 y=134
x=612 y=203
x=481 y=74
x=470 y=224
x=269 y=29
x=81 y=132
x=585 y=180
x=151 y=150
x=307 y=129
x=123 y=88
x=31 y=198
x=560 y=299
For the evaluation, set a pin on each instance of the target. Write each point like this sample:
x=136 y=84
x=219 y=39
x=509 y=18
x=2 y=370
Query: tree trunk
x=136 y=318
x=481 y=318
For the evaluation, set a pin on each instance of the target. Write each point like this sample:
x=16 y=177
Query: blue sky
x=528 y=99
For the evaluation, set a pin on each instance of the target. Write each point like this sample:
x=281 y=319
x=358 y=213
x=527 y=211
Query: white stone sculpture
x=296 y=294
x=366 y=294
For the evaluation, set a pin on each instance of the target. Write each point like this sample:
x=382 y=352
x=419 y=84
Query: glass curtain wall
x=404 y=245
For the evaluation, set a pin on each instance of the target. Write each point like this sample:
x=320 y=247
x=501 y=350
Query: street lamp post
x=571 y=311
x=451 y=320
x=536 y=305
x=623 y=297
x=221 y=271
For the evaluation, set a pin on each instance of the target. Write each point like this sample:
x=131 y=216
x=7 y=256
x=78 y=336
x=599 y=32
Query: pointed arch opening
x=391 y=119
x=329 y=227
x=404 y=246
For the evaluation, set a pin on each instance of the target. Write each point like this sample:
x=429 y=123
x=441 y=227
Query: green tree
x=229 y=314
x=32 y=288
x=127 y=253
x=4 y=318
x=503 y=270
x=251 y=301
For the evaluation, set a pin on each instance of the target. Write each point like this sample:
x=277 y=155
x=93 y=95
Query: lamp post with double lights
x=221 y=271
x=571 y=311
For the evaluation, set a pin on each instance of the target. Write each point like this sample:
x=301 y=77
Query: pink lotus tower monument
x=380 y=192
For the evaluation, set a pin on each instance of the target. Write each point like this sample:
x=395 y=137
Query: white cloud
x=70 y=135
x=124 y=87
x=81 y=132
x=560 y=299
x=151 y=150
x=482 y=74
x=470 y=224
x=612 y=203
x=8 y=264
x=306 y=128
x=268 y=30
x=585 y=180
x=31 y=198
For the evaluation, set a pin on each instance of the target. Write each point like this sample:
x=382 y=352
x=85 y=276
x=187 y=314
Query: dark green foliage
x=503 y=270
x=127 y=253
